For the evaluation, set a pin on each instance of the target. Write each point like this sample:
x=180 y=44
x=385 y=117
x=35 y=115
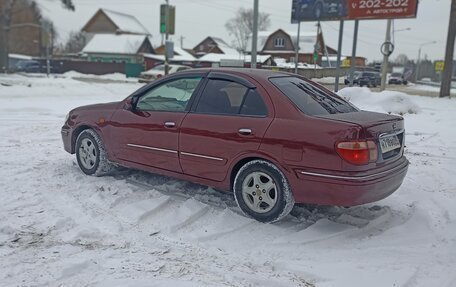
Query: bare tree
x=241 y=26
x=76 y=42
x=401 y=59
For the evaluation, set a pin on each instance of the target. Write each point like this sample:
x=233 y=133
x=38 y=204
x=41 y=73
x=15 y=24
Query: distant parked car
x=397 y=78
x=271 y=138
x=356 y=76
x=369 y=79
x=28 y=66
x=159 y=71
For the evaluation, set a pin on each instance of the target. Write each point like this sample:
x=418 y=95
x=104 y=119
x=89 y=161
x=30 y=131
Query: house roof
x=222 y=45
x=115 y=44
x=125 y=23
x=227 y=49
x=215 y=58
x=179 y=55
x=307 y=40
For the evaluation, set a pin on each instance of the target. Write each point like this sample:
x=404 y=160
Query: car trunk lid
x=386 y=130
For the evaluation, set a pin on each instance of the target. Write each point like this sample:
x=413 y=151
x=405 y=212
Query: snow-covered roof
x=175 y=58
x=215 y=58
x=179 y=55
x=183 y=54
x=115 y=44
x=19 y=56
x=126 y=23
x=260 y=58
x=226 y=48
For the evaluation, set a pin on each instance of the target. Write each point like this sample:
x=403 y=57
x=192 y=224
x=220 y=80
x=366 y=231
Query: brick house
x=281 y=44
x=24 y=32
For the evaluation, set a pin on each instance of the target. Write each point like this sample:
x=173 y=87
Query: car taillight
x=358 y=152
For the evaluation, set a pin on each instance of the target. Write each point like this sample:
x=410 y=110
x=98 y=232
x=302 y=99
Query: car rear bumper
x=348 y=189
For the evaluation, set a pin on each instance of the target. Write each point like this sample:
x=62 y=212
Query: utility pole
x=166 y=35
x=386 y=54
x=418 y=62
x=182 y=41
x=353 y=58
x=448 y=66
x=253 y=61
x=5 y=21
x=339 y=53
x=297 y=48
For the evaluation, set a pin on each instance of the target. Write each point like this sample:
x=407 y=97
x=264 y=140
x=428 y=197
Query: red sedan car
x=272 y=138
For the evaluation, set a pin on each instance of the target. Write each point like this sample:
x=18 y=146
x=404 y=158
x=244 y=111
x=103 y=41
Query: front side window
x=227 y=97
x=311 y=99
x=171 y=96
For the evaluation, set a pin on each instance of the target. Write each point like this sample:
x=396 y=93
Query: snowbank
x=113 y=76
x=390 y=102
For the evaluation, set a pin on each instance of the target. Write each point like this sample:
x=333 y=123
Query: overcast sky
x=197 y=19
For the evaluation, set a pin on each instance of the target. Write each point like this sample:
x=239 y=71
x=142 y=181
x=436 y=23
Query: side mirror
x=128 y=105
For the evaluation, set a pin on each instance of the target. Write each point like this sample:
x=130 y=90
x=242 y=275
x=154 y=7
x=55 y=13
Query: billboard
x=324 y=10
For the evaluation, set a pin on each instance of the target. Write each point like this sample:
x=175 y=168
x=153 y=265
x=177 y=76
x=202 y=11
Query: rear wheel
x=262 y=191
x=91 y=154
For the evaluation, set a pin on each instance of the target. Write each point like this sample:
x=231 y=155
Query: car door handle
x=245 y=132
x=170 y=124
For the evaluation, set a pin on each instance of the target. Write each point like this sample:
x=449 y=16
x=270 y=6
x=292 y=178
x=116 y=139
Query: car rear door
x=228 y=121
x=148 y=133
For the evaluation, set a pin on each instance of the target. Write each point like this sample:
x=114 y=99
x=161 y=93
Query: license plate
x=389 y=143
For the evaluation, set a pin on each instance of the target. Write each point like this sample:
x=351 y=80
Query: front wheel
x=262 y=191
x=91 y=154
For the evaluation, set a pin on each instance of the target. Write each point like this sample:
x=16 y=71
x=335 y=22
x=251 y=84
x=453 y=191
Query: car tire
x=91 y=154
x=262 y=191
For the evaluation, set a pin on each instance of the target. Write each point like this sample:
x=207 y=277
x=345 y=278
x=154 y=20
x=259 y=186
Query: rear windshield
x=311 y=99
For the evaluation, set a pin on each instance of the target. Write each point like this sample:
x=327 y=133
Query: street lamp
x=419 y=58
x=400 y=30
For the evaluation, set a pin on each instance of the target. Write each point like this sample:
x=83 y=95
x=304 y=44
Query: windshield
x=396 y=75
x=312 y=99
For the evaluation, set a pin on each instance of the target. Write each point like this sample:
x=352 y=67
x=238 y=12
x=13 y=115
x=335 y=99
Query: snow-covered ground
x=59 y=227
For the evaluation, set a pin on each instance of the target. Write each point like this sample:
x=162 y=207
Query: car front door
x=229 y=120
x=147 y=133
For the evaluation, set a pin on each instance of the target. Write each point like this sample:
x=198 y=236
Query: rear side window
x=228 y=97
x=311 y=99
